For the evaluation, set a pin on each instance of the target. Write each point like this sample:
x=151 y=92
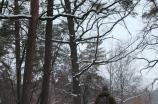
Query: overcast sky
x=135 y=25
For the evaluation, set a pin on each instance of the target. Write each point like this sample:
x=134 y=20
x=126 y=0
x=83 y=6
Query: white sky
x=135 y=25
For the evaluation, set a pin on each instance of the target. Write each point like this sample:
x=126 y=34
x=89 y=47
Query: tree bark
x=74 y=58
x=48 y=57
x=30 y=53
x=17 y=52
x=51 y=93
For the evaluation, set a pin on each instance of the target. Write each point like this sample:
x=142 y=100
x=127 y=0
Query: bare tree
x=124 y=81
x=80 y=32
x=149 y=37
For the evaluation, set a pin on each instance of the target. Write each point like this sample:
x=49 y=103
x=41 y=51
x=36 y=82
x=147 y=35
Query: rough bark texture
x=30 y=53
x=74 y=58
x=48 y=57
x=17 y=52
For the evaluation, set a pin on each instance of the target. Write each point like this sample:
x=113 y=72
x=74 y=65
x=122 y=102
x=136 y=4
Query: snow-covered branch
x=22 y=16
x=133 y=97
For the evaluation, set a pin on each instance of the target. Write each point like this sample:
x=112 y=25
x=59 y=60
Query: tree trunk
x=121 y=86
x=52 y=91
x=17 y=52
x=30 y=53
x=74 y=58
x=48 y=56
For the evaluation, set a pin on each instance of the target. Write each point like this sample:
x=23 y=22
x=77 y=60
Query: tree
x=124 y=81
x=17 y=52
x=7 y=94
x=74 y=59
x=149 y=37
x=30 y=53
x=87 y=22
x=86 y=56
x=6 y=84
x=78 y=32
x=48 y=56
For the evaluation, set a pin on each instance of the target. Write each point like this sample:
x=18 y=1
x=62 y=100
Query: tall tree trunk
x=74 y=58
x=30 y=53
x=48 y=56
x=52 y=93
x=17 y=52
